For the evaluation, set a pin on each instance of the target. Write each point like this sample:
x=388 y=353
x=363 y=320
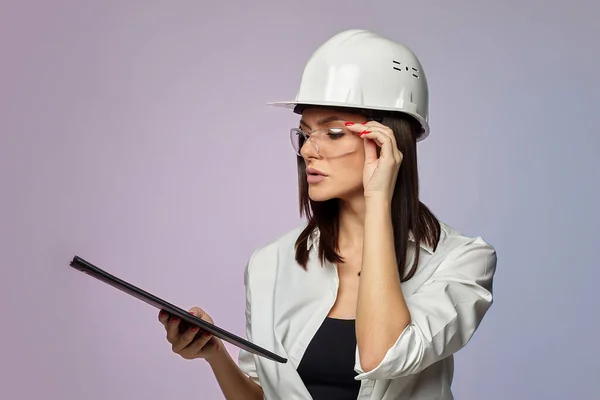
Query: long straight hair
x=409 y=214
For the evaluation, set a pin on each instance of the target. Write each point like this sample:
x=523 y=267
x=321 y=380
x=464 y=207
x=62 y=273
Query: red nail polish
x=364 y=133
x=194 y=328
x=174 y=319
x=207 y=335
x=349 y=123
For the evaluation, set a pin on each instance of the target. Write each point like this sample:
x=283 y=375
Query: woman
x=373 y=296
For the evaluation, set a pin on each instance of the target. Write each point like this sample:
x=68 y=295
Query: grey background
x=134 y=133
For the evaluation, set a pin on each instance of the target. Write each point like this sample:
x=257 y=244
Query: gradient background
x=134 y=134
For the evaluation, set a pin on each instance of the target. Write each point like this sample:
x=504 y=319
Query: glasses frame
x=298 y=131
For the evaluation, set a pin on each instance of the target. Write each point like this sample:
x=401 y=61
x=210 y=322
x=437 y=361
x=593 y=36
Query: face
x=334 y=155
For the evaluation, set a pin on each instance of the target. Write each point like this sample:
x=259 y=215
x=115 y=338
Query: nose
x=310 y=150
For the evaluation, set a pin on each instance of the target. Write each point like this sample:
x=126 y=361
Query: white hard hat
x=359 y=69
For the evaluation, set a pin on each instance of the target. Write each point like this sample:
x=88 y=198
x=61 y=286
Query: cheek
x=349 y=170
x=346 y=178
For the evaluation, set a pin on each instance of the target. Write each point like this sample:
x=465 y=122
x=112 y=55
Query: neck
x=352 y=222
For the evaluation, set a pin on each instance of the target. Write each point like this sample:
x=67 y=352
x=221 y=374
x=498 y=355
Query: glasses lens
x=328 y=142
x=336 y=142
x=297 y=137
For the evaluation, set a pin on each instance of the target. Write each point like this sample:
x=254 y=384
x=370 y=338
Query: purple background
x=134 y=133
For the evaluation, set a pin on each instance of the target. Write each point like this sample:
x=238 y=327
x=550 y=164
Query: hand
x=379 y=173
x=193 y=342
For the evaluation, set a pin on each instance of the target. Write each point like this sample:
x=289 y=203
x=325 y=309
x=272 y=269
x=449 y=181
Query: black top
x=327 y=367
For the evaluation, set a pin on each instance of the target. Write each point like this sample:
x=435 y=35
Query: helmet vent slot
x=411 y=69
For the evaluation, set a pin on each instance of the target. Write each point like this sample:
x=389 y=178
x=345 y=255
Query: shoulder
x=269 y=255
x=451 y=238
x=473 y=255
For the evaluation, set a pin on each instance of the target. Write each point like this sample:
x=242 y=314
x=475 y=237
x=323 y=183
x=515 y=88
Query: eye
x=335 y=133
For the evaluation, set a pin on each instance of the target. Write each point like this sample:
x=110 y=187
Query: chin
x=318 y=192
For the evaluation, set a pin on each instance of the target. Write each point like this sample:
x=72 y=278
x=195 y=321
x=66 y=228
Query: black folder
x=187 y=319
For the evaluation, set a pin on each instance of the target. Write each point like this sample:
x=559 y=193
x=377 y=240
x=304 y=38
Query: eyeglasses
x=327 y=142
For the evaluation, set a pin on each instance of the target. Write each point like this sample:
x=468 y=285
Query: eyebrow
x=325 y=120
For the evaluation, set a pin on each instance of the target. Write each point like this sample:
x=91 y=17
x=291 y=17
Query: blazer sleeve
x=246 y=360
x=445 y=312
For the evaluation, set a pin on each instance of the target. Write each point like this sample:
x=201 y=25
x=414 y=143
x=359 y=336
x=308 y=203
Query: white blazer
x=447 y=298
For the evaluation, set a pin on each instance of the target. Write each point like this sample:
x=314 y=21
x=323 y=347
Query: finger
x=384 y=129
x=163 y=317
x=356 y=126
x=361 y=126
x=372 y=125
x=370 y=151
x=185 y=339
x=188 y=336
x=198 y=312
x=173 y=329
x=383 y=141
x=366 y=128
x=197 y=345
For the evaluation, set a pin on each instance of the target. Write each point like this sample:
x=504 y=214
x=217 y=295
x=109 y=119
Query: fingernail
x=176 y=319
x=162 y=314
x=194 y=328
x=349 y=123
x=364 y=133
x=207 y=335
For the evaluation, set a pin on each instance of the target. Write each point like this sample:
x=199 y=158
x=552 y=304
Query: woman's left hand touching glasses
x=379 y=173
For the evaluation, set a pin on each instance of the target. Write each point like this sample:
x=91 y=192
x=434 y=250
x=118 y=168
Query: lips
x=314 y=176
x=315 y=172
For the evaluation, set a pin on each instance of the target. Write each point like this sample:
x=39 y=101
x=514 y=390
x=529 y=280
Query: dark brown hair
x=409 y=214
